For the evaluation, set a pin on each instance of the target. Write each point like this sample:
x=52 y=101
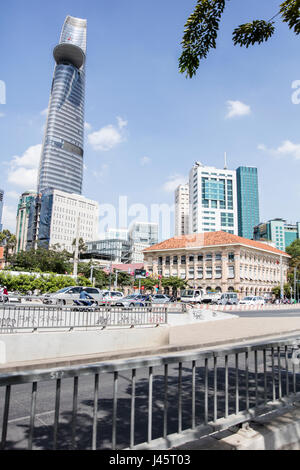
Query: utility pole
x=75 y=264
x=110 y=273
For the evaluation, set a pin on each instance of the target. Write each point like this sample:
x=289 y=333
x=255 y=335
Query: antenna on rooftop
x=225 y=161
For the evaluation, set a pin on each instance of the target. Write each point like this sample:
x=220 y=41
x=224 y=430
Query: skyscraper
x=26 y=201
x=182 y=208
x=61 y=164
x=248 y=201
x=213 y=201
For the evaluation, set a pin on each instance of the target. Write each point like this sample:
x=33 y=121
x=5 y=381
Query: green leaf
x=290 y=12
x=256 y=32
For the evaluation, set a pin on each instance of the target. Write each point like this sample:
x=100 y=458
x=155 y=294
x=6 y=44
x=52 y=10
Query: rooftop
x=200 y=240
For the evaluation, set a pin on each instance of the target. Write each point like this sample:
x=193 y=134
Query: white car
x=110 y=297
x=252 y=300
x=160 y=299
x=68 y=294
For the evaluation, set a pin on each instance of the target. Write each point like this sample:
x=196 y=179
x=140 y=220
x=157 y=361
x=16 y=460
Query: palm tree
x=8 y=241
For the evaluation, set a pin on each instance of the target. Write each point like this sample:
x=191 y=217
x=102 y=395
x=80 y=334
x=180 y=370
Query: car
x=110 y=297
x=160 y=299
x=252 y=300
x=14 y=297
x=134 y=300
x=228 y=298
x=68 y=294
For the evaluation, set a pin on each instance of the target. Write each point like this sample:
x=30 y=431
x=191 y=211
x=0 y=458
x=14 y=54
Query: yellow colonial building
x=219 y=261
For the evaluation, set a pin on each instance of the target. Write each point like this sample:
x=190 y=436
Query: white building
x=142 y=235
x=64 y=216
x=117 y=234
x=182 y=209
x=213 y=200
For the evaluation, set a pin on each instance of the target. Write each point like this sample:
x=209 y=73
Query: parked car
x=228 y=298
x=252 y=300
x=68 y=294
x=160 y=299
x=14 y=296
x=192 y=296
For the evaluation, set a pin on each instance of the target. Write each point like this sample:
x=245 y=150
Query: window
x=218 y=273
x=167 y=260
x=208 y=256
x=200 y=257
x=183 y=259
x=230 y=257
x=208 y=273
x=218 y=256
x=230 y=272
x=175 y=259
x=191 y=258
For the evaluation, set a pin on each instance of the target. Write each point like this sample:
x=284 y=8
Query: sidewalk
x=185 y=337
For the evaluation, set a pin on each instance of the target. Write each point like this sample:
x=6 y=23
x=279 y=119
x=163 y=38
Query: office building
x=213 y=200
x=26 y=201
x=112 y=250
x=219 y=261
x=277 y=231
x=247 y=200
x=61 y=164
x=65 y=216
x=182 y=209
x=117 y=234
x=1 y=208
x=142 y=235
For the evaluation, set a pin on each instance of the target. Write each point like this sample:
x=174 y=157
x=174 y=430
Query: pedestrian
x=5 y=294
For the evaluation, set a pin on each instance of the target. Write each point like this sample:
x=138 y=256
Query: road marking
x=28 y=417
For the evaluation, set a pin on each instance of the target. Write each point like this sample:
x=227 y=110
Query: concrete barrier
x=29 y=347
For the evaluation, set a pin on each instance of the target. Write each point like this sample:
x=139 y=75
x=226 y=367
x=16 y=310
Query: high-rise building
x=182 y=209
x=26 y=201
x=1 y=208
x=65 y=216
x=61 y=164
x=248 y=200
x=213 y=200
x=277 y=231
x=142 y=235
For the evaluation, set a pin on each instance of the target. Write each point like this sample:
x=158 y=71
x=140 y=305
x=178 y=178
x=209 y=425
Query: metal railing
x=19 y=318
x=147 y=402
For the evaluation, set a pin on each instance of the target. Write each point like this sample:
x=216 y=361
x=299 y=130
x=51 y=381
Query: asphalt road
x=19 y=412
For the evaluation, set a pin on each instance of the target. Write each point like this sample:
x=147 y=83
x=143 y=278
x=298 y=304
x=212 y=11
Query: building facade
x=65 y=216
x=182 y=210
x=61 y=164
x=112 y=250
x=278 y=231
x=1 y=208
x=117 y=234
x=141 y=236
x=26 y=201
x=219 y=261
x=247 y=200
x=213 y=200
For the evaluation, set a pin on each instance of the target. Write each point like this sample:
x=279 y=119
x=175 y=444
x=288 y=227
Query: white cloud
x=106 y=138
x=145 y=160
x=9 y=218
x=173 y=182
x=286 y=149
x=237 y=108
x=121 y=122
x=23 y=170
x=29 y=159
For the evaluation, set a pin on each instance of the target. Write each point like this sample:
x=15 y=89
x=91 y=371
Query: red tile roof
x=199 y=240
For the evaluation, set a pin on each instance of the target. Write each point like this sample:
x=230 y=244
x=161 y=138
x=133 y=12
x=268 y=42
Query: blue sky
x=146 y=123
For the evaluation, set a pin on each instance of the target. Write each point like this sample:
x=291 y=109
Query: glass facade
x=61 y=165
x=278 y=231
x=248 y=200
